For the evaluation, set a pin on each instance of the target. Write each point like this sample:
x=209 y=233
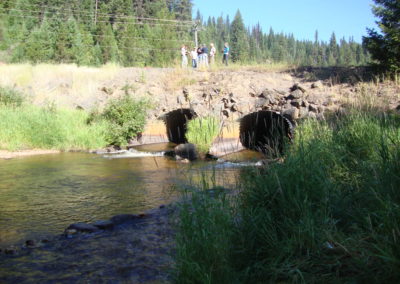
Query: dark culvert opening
x=265 y=131
x=176 y=124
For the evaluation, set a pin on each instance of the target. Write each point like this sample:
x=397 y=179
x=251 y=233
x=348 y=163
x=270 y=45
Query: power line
x=99 y=21
x=98 y=13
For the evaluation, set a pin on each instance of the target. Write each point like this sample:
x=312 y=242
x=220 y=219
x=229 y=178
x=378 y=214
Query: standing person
x=213 y=51
x=199 y=57
x=204 y=53
x=194 y=56
x=184 y=56
x=226 y=54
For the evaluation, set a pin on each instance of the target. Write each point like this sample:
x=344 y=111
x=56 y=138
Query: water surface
x=41 y=195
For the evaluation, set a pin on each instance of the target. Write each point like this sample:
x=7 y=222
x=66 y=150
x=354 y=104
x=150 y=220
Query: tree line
x=148 y=33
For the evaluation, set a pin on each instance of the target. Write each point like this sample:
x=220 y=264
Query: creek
x=41 y=195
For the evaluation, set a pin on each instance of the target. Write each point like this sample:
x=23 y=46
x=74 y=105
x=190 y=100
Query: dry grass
x=46 y=83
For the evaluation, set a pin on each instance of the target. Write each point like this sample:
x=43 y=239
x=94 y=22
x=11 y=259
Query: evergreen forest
x=149 y=33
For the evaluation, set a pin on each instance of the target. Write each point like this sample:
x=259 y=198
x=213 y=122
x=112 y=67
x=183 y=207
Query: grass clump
x=202 y=131
x=330 y=213
x=11 y=97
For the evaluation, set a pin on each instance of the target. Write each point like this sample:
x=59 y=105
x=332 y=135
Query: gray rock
x=303 y=112
x=297 y=94
x=261 y=102
x=313 y=108
x=186 y=151
x=321 y=109
x=271 y=99
x=83 y=227
x=122 y=218
x=296 y=103
x=266 y=93
x=296 y=87
x=317 y=85
x=292 y=114
x=104 y=224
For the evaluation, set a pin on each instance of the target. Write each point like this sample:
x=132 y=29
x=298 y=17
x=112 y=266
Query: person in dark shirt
x=204 y=54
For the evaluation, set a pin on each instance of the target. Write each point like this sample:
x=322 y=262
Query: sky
x=301 y=17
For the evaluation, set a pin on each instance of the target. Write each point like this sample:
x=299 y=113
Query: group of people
x=202 y=56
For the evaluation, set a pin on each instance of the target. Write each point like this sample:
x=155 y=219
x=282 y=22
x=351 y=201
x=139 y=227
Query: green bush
x=11 y=97
x=202 y=132
x=127 y=118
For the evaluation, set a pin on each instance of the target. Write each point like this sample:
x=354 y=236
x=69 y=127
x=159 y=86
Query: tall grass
x=28 y=127
x=330 y=213
x=202 y=132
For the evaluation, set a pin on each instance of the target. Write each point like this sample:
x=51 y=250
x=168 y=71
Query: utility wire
x=102 y=21
x=92 y=14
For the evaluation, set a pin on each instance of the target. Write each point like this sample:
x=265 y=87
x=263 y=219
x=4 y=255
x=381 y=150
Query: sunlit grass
x=29 y=127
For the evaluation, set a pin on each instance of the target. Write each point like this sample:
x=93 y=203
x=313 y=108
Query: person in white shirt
x=213 y=51
x=184 y=56
x=194 y=56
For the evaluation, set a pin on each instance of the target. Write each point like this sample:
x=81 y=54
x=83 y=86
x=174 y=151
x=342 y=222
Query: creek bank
x=137 y=249
x=4 y=154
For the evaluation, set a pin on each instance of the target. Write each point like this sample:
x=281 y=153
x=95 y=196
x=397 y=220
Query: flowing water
x=41 y=195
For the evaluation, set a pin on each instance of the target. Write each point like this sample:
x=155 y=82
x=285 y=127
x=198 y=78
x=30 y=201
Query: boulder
x=266 y=93
x=261 y=102
x=296 y=94
x=317 y=85
x=313 y=108
x=303 y=112
x=186 y=151
x=292 y=114
x=180 y=100
x=296 y=103
x=296 y=87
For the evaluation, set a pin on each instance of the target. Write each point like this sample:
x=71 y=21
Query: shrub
x=202 y=132
x=11 y=97
x=127 y=118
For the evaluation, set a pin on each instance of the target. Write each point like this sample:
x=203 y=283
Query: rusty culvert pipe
x=265 y=131
x=176 y=124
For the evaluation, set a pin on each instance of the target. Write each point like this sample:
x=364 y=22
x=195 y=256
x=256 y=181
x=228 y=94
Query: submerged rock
x=186 y=151
x=83 y=227
x=104 y=224
x=122 y=218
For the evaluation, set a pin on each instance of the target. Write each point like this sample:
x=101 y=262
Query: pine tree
x=238 y=37
x=65 y=41
x=39 y=46
x=385 y=46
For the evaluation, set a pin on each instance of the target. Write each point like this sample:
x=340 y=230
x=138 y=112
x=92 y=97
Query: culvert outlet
x=265 y=131
x=176 y=124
